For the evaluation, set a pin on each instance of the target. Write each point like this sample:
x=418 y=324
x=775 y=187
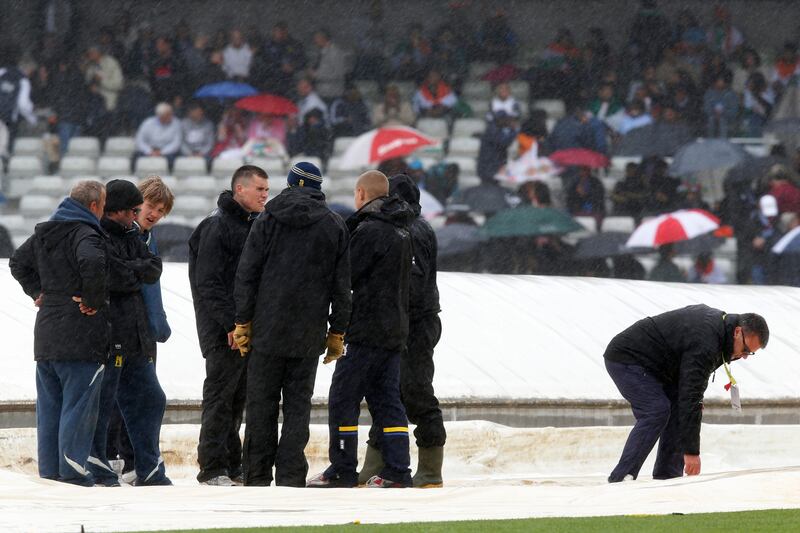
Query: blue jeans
x=132 y=384
x=67 y=401
x=66 y=131
x=655 y=407
x=374 y=374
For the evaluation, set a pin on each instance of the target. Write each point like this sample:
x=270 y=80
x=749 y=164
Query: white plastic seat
x=465 y=181
x=521 y=90
x=554 y=107
x=405 y=88
x=467 y=165
x=24 y=166
x=69 y=183
x=205 y=185
x=189 y=166
x=477 y=90
x=307 y=158
x=273 y=166
x=369 y=89
x=113 y=165
x=468 y=127
x=464 y=146
x=191 y=205
x=120 y=146
x=77 y=165
x=225 y=167
x=147 y=165
x=479 y=107
x=50 y=185
x=341 y=144
x=84 y=146
x=478 y=68
x=14 y=223
x=37 y=205
x=29 y=146
x=435 y=127
x=615 y=223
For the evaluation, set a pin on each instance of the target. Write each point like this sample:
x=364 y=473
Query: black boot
x=429 y=468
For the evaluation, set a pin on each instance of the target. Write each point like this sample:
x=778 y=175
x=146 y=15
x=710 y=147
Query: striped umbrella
x=672 y=227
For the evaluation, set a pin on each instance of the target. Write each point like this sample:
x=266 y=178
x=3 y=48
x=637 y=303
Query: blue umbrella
x=225 y=89
x=706 y=154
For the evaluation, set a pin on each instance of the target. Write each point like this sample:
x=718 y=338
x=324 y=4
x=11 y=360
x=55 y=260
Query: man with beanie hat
x=214 y=251
x=293 y=280
x=62 y=267
x=380 y=256
x=130 y=381
x=416 y=362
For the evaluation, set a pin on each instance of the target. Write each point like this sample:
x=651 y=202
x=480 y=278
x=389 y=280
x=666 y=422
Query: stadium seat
x=84 y=146
x=112 y=165
x=77 y=165
x=15 y=224
x=406 y=89
x=626 y=224
x=468 y=127
x=618 y=164
x=190 y=205
x=341 y=186
x=467 y=165
x=126 y=177
x=464 y=146
x=146 y=165
x=24 y=166
x=71 y=182
x=205 y=185
x=521 y=91
x=478 y=68
x=29 y=146
x=476 y=90
x=189 y=166
x=479 y=107
x=555 y=108
x=434 y=127
x=37 y=205
x=170 y=181
x=334 y=170
x=369 y=90
x=465 y=181
x=609 y=183
x=225 y=167
x=50 y=185
x=308 y=158
x=274 y=167
x=120 y=146
x=589 y=223
x=341 y=144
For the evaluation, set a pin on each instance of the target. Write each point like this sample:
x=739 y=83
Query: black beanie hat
x=121 y=195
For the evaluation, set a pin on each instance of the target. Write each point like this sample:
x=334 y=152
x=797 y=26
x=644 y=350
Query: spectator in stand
x=649 y=76
x=265 y=127
x=757 y=104
x=308 y=99
x=109 y=43
x=706 y=270
x=535 y=194
x=578 y=129
x=586 y=196
x=195 y=58
x=312 y=138
x=496 y=40
x=783 y=188
x=627 y=267
x=276 y=63
x=721 y=107
x=371 y=45
x=393 y=111
x=723 y=36
x=231 y=132
x=198 y=132
x=411 y=56
x=786 y=67
x=688 y=107
x=69 y=102
x=237 y=57
x=159 y=135
x=650 y=34
x=331 y=68
x=214 y=70
x=666 y=269
x=750 y=64
x=688 y=32
x=15 y=92
x=504 y=101
x=141 y=52
x=664 y=195
x=349 y=114
x=763 y=232
x=606 y=104
x=631 y=193
x=493 y=154
x=451 y=57
x=634 y=117
x=434 y=98
x=104 y=70
x=167 y=72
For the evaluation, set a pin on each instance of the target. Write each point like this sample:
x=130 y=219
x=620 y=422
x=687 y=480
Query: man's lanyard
x=736 y=402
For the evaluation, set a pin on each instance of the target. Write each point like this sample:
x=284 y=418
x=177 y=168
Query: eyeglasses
x=745 y=349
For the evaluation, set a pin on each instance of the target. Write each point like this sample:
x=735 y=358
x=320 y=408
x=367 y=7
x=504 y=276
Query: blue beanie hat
x=305 y=174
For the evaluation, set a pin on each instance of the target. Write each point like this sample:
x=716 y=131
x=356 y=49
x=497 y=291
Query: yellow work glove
x=335 y=345
x=241 y=336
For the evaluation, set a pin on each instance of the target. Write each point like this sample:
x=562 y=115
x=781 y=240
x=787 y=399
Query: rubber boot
x=429 y=468
x=373 y=464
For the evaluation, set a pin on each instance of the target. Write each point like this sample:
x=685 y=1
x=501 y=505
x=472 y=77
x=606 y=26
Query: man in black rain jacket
x=661 y=365
x=380 y=259
x=293 y=279
x=214 y=251
x=416 y=364
x=62 y=266
x=130 y=381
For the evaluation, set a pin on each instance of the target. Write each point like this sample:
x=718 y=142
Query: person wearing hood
x=292 y=281
x=62 y=267
x=416 y=362
x=214 y=251
x=130 y=381
x=661 y=365
x=380 y=257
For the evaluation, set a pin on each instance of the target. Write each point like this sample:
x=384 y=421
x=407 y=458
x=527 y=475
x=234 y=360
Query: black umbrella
x=702 y=243
x=658 y=139
x=458 y=239
x=606 y=244
x=753 y=168
x=488 y=198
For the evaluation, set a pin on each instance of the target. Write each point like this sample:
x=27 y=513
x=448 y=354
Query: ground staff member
x=661 y=365
x=214 y=250
x=62 y=266
x=293 y=280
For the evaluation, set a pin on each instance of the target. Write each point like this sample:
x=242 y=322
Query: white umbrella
x=381 y=144
x=672 y=227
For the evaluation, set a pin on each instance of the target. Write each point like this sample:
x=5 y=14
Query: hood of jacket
x=389 y=209
x=226 y=203
x=404 y=187
x=68 y=213
x=298 y=207
x=113 y=227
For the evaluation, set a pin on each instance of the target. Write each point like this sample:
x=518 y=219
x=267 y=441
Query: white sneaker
x=628 y=477
x=128 y=477
x=219 y=481
x=117 y=465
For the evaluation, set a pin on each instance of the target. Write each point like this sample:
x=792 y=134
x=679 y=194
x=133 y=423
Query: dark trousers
x=655 y=407
x=219 y=451
x=269 y=377
x=416 y=384
x=67 y=402
x=374 y=374
x=131 y=383
x=119 y=442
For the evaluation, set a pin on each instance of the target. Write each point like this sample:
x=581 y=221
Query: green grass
x=749 y=522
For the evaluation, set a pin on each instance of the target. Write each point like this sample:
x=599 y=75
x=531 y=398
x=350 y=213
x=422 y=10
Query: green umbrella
x=530 y=222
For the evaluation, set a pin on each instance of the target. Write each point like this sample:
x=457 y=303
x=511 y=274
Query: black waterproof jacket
x=130 y=263
x=214 y=251
x=66 y=257
x=423 y=300
x=681 y=347
x=295 y=267
x=380 y=260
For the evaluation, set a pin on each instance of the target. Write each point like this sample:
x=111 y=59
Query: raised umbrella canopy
x=267 y=104
x=382 y=144
x=672 y=227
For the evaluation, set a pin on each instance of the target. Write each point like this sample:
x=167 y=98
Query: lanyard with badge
x=732 y=386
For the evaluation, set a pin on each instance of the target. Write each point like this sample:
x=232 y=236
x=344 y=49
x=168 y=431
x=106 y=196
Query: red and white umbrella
x=672 y=227
x=382 y=144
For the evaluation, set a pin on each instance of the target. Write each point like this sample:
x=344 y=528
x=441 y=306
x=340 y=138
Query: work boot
x=429 y=468
x=373 y=464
